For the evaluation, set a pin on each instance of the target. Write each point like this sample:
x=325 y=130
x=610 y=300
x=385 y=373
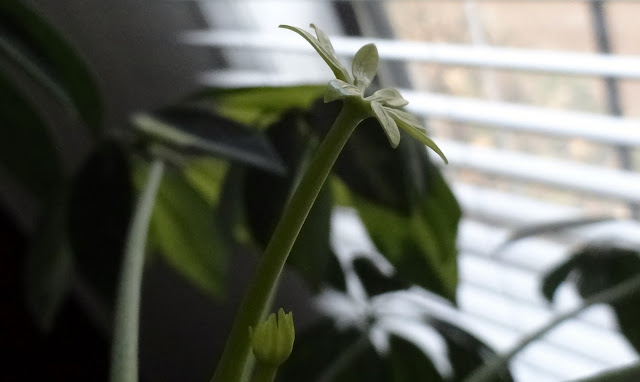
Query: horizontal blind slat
x=573 y=63
x=506 y=115
x=616 y=184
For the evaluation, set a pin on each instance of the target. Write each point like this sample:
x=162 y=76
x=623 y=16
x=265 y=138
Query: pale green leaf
x=412 y=126
x=388 y=97
x=328 y=56
x=365 y=66
x=339 y=89
x=324 y=40
x=388 y=124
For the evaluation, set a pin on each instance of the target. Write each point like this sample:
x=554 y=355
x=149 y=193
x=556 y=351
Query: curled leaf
x=339 y=89
x=388 y=97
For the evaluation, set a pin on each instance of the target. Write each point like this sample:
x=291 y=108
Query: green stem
x=264 y=373
x=124 y=351
x=486 y=372
x=237 y=348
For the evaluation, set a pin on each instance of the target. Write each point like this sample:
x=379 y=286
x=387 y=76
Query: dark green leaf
x=372 y=169
x=27 y=150
x=311 y=252
x=41 y=51
x=99 y=214
x=411 y=245
x=365 y=66
x=374 y=281
x=407 y=363
x=184 y=231
x=49 y=265
x=316 y=350
x=558 y=275
x=405 y=204
x=334 y=275
x=600 y=267
x=259 y=106
x=466 y=352
x=199 y=131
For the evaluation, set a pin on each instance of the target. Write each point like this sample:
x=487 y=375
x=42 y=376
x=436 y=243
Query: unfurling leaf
x=365 y=66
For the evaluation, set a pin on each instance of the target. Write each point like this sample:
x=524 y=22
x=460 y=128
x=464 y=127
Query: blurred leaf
x=421 y=244
x=206 y=175
x=27 y=150
x=556 y=276
x=316 y=350
x=406 y=363
x=604 y=267
x=259 y=106
x=334 y=274
x=99 y=213
x=323 y=353
x=373 y=170
x=311 y=252
x=49 y=265
x=466 y=352
x=201 y=132
x=184 y=231
x=266 y=195
x=37 y=48
x=598 y=268
x=405 y=204
x=374 y=281
x=551 y=227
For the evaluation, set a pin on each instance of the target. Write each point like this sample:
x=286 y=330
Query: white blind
x=501 y=185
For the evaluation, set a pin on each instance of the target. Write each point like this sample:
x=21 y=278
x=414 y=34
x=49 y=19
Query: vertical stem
x=124 y=351
x=237 y=348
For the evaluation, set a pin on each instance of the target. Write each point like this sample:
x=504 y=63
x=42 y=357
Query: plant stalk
x=124 y=351
x=486 y=372
x=237 y=348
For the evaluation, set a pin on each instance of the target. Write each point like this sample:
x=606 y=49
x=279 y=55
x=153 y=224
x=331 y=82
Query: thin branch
x=486 y=372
